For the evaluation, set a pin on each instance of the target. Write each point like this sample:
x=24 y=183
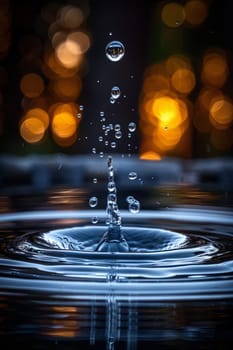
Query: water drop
x=115 y=92
x=94 y=180
x=132 y=127
x=130 y=199
x=115 y=51
x=94 y=220
x=93 y=202
x=117 y=127
x=113 y=144
x=101 y=154
x=111 y=186
x=79 y=115
x=132 y=175
x=101 y=113
x=100 y=138
x=134 y=206
x=93 y=150
x=118 y=134
x=106 y=143
x=129 y=135
x=112 y=100
x=81 y=107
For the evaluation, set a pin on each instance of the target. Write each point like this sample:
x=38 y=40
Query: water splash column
x=113 y=239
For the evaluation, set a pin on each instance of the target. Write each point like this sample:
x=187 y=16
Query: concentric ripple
x=174 y=254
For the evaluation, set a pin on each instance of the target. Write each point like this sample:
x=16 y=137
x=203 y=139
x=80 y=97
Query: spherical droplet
x=93 y=202
x=113 y=144
x=115 y=51
x=94 y=220
x=134 y=207
x=130 y=199
x=132 y=127
x=115 y=92
x=118 y=134
x=132 y=175
x=117 y=127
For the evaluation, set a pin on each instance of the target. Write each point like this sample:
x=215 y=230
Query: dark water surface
x=172 y=290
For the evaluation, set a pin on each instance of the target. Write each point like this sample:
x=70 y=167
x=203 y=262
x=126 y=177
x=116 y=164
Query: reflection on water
x=57 y=298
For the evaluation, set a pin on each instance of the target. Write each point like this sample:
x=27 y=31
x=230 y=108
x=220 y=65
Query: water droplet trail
x=113 y=239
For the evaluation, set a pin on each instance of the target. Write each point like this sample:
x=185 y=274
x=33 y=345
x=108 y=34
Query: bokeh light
x=31 y=85
x=173 y=14
x=215 y=68
x=32 y=129
x=196 y=11
x=64 y=123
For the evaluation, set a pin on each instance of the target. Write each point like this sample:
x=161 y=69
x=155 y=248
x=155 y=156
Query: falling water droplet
x=132 y=175
x=117 y=127
x=112 y=100
x=118 y=134
x=115 y=51
x=132 y=127
x=134 y=206
x=93 y=202
x=94 y=220
x=115 y=92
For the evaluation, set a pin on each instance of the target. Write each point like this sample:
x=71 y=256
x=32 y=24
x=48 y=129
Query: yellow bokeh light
x=39 y=114
x=32 y=130
x=32 y=85
x=150 y=155
x=196 y=11
x=53 y=68
x=175 y=62
x=68 y=54
x=168 y=112
x=70 y=17
x=221 y=113
x=173 y=14
x=66 y=89
x=65 y=121
x=215 y=69
x=183 y=80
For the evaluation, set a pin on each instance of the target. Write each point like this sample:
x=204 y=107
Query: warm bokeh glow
x=215 y=69
x=173 y=14
x=39 y=114
x=66 y=89
x=70 y=17
x=175 y=62
x=221 y=113
x=150 y=155
x=168 y=112
x=54 y=69
x=196 y=11
x=32 y=85
x=65 y=121
x=32 y=130
x=203 y=103
x=183 y=80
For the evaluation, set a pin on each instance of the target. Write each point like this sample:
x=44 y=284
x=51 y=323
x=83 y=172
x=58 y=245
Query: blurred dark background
x=175 y=78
